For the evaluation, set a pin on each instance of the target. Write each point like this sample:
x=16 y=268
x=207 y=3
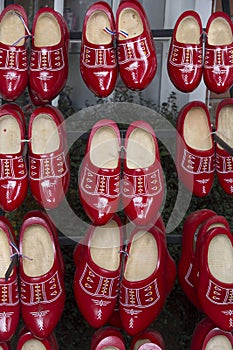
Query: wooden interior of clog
x=38 y=251
x=45 y=136
x=130 y=22
x=225 y=125
x=219 y=32
x=143 y=257
x=33 y=344
x=218 y=342
x=11 y=29
x=104 y=148
x=4 y=254
x=197 y=133
x=220 y=258
x=10 y=135
x=47 y=30
x=140 y=149
x=105 y=246
x=95 y=33
x=188 y=31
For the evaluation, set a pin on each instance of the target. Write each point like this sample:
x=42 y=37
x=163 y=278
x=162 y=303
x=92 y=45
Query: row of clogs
x=47 y=157
x=198 y=156
x=188 y=61
x=205 y=266
x=46 y=73
x=137 y=276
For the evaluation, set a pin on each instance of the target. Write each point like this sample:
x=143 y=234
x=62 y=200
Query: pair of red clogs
x=205 y=267
x=188 y=61
x=207 y=336
x=135 y=56
x=100 y=173
x=138 y=277
x=48 y=172
x=47 y=74
x=198 y=157
x=35 y=289
x=28 y=341
x=110 y=337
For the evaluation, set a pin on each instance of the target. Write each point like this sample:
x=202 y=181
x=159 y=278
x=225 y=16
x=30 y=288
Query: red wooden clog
x=98 y=268
x=48 y=70
x=49 y=169
x=190 y=233
x=9 y=294
x=185 y=65
x=218 y=60
x=224 y=161
x=107 y=338
x=28 y=340
x=98 y=62
x=195 y=156
x=14 y=174
x=215 y=283
x=144 y=286
x=143 y=188
x=207 y=336
x=99 y=178
x=137 y=60
x=150 y=339
x=42 y=290
x=13 y=52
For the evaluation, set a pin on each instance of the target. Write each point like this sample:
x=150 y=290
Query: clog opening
x=220 y=258
x=33 y=344
x=11 y=29
x=197 y=133
x=145 y=344
x=45 y=136
x=104 y=148
x=143 y=257
x=225 y=127
x=38 y=251
x=105 y=246
x=220 y=342
x=219 y=32
x=47 y=31
x=5 y=253
x=140 y=149
x=96 y=24
x=130 y=22
x=188 y=31
x=10 y=135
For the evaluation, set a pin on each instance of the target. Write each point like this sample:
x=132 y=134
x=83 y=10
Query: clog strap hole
x=220 y=32
x=225 y=127
x=10 y=136
x=143 y=257
x=47 y=31
x=188 y=31
x=197 y=133
x=105 y=246
x=130 y=22
x=140 y=149
x=95 y=32
x=37 y=245
x=220 y=258
x=11 y=29
x=45 y=137
x=219 y=342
